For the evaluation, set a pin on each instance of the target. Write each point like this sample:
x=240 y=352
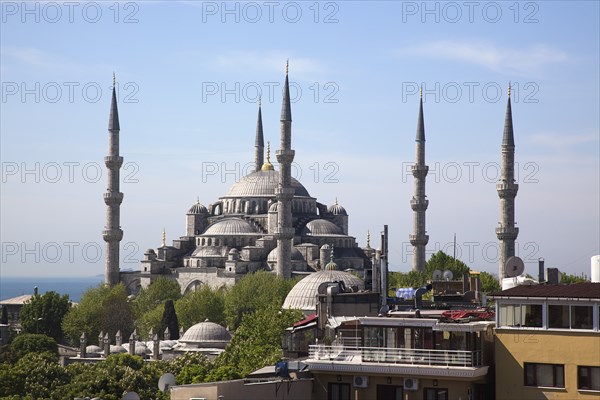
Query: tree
x=412 y=279
x=568 y=279
x=254 y=292
x=44 y=314
x=169 y=320
x=159 y=291
x=102 y=308
x=200 y=305
x=26 y=343
x=489 y=283
x=441 y=261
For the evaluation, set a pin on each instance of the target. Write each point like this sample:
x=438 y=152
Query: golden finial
x=336 y=201
x=259 y=101
x=114 y=79
x=197 y=199
x=421 y=91
x=287 y=66
x=508 y=88
x=267 y=166
x=368 y=239
x=164 y=238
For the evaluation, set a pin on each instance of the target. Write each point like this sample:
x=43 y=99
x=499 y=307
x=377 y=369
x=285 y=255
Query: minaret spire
x=112 y=233
x=259 y=143
x=419 y=202
x=507 y=190
x=285 y=192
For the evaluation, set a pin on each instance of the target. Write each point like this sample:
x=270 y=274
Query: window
x=573 y=317
x=527 y=315
x=338 y=391
x=435 y=394
x=588 y=378
x=389 y=392
x=545 y=375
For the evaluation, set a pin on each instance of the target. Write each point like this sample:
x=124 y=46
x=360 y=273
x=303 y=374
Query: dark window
x=435 y=394
x=338 y=391
x=581 y=317
x=545 y=375
x=389 y=392
x=588 y=378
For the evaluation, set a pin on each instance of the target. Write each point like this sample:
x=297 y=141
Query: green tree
x=412 y=279
x=254 y=292
x=150 y=320
x=568 y=279
x=169 y=320
x=200 y=305
x=159 y=291
x=489 y=283
x=102 y=308
x=441 y=261
x=26 y=343
x=44 y=314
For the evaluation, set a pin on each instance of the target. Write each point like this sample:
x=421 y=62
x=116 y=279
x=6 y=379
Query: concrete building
x=547 y=342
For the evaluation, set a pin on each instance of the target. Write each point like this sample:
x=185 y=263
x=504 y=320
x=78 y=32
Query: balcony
x=458 y=363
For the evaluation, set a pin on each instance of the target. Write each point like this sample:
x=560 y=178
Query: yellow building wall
x=457 y=389
x=514 y=347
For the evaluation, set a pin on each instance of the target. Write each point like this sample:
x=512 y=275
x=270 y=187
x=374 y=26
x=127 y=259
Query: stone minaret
x=507 y=189
x=112 y=232
x=419 y=203
x=259 y=144
x=285 y=191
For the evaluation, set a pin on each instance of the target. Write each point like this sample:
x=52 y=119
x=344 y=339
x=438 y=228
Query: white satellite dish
x=448 y=275
x=165 y=382
x=436 y=275
x=513 y=267
x=131 y=396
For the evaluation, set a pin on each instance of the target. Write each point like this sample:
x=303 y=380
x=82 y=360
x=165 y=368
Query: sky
x=189 y=74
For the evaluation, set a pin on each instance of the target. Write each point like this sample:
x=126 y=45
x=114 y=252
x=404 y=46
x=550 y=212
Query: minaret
x=285 y=191
x=507 y=189
x=419 y=203
x=259 y=144
x=112 y=232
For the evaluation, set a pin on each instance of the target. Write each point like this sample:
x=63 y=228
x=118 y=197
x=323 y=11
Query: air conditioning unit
x=360 y=381
x=411 y=384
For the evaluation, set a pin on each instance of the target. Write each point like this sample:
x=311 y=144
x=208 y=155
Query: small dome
x=336 y=209
x=296 y=255
x=206 y=334
x=229 y=226
x=303 y=295
x=274 y=207
x=197 y=208
x=150 y=252
x=325 y=247
x=93 y=349
x=234 y=251
x=209 y=251
x=117 y=349
x=321 y=227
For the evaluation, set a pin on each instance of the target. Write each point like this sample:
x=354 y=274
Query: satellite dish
x=513 y=267
x=131 y=396
x=437 y=275
x=448 y=275
x=165 y=382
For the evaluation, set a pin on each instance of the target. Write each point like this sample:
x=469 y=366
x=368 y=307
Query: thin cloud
x=563 y=141
x=520 y=61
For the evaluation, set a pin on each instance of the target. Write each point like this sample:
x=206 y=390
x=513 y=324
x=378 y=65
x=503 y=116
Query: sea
x=75 y=287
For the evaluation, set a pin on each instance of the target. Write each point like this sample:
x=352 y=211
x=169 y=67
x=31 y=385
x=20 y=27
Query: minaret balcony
x=419 y=170
x=112 y=235
x=113 y=162
x=507 y=190
x=284 y=193
x=419 y=204
x=113 y=198
x=285 y=156
x=418 y=240
x=507 y=233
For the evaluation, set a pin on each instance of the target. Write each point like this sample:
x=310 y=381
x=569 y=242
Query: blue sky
x=189 y=74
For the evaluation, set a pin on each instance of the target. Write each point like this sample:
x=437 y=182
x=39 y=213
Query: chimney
x=540 y=270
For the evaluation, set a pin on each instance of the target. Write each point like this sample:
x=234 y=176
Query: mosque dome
x=303 y=295
x=209 y=251
x=262 y=184
x=321 y=227
x=336 y=209
x=197 y=208
x=296 y=255
x=93 y=349
x=206 y=334
x=229 y=226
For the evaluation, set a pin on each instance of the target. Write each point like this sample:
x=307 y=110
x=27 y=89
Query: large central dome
x=262 y=184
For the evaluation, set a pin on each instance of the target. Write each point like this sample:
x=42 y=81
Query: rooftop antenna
x=166 y=381
x=513 y=267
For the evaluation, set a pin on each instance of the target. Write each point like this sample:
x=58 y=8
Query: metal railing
x=457 y=358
